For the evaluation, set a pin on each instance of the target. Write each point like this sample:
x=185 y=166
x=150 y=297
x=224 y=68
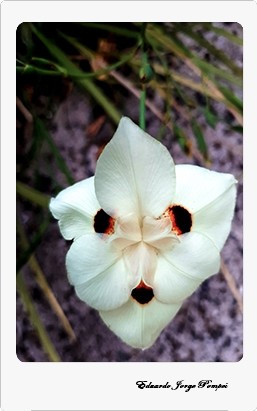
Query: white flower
x=146 y=233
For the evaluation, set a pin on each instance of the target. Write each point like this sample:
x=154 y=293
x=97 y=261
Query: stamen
x=103 y=223
x=143 y=294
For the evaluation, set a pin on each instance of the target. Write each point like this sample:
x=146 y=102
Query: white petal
x=181 y=270
x=98 y=273
x=75 y=208
x=140 y=325
x=210 y=196
x=171 y=284
x=141 y=260
x=197 y=187
x=89 y=256
x=215 y=219
x=107 y=290
x=134 y=174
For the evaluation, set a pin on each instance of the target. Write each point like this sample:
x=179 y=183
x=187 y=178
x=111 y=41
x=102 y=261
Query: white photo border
x=112 y=386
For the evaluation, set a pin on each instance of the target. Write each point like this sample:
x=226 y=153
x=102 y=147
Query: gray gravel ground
x=207 y=328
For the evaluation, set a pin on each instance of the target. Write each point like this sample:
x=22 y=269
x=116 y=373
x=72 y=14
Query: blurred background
x=182 y=83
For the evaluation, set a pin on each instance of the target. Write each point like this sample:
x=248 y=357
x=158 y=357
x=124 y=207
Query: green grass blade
x=199 y=136
x=42 y=130
x=29 y=69
x=238 y=129
x=32 y=195
x=85 y=83
x=224 y=33
x=32 y=245
x=43 y=284
x=210 y=117
x=214 y=51
x=182 y=139
x=208 y=69
x=213 y=71
x=36 y=320
x=236 y=101
x=157 y=35
x=110 y=28
x=90 y=55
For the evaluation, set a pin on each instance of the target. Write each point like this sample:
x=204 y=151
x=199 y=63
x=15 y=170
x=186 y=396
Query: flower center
x=140 y=240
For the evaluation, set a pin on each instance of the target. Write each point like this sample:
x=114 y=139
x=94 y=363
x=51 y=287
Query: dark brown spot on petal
x=103 y=223
x=181 y=219
x=143 y=294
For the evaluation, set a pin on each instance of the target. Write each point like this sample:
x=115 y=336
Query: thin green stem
x=29 y=69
